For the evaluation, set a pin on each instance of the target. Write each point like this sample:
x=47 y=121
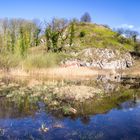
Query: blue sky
x=115 y=13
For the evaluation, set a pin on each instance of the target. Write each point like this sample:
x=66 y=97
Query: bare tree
x=128 y=33
x=86 y=17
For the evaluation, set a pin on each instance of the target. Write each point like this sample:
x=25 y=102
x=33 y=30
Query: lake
x=110 y=118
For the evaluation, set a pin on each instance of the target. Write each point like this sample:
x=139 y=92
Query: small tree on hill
x=53 y=32
x=72 y=33
x=86 y=17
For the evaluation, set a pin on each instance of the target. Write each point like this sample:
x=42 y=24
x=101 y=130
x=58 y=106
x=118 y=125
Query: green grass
x=31 y=61
x=9 y=61
x=41 y=61
x=99 y=36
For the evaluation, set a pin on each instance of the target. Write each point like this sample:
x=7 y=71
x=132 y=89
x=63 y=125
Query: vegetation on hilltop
x=27 y=44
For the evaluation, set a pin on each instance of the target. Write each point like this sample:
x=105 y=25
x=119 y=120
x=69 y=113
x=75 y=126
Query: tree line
x=17 y=35
x=130 y=34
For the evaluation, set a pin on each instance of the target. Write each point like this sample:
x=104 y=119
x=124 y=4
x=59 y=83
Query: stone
x=101 y=58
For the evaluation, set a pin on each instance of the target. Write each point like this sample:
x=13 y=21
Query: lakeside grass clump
x=31 y=61
x=8 y=61
x=41 y=61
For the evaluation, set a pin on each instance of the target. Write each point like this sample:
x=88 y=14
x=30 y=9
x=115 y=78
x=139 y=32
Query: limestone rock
x=101 y=58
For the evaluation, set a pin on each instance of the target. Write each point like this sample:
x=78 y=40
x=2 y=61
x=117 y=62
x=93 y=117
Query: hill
x=62 y=44
x=89 y=35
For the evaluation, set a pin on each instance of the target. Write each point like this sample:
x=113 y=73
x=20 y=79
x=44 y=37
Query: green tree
x=72 y=33
x=22 y=43
x=36 y=36
x=54 y=33
x=48 y=35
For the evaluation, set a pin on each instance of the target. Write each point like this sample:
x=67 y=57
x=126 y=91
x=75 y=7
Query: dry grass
x=56 y=73
x=79 y=93
x=37 y=76
x=59 y=73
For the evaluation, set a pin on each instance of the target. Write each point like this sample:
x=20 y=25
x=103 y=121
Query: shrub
x=8 y=61
x=82 y=34
x=38 y=61
x=124 y=40
x=42 y=60
x=137 y=48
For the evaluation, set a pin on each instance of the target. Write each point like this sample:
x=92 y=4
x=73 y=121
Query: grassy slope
x=99 y=36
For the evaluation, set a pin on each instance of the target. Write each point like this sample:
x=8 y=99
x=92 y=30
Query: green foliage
x=137 y=47
x=8 y=61
x=22 y=43
x=48 y=33
x=92 y=35
x=123 y=40
x=72 y=33
x=55 y=34
x=36 y=36
x=52 y=37
x=82 y=34
x=42 y=60
x=31 y=61
x=17 y=36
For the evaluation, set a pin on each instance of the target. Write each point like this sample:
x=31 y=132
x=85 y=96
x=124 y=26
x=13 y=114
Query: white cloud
x=127 y=26
x=138 y=37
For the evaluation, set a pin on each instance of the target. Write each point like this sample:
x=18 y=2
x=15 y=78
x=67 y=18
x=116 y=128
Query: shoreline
x=68 y=72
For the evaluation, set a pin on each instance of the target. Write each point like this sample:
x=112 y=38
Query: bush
x=82 y=34
x=8 y=61
x=137 y=48
x=40 y=61
x=124 y=40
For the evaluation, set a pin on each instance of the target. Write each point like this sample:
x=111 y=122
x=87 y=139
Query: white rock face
x=102 y=58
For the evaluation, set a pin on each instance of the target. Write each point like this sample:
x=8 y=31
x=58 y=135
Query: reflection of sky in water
x=119 y=123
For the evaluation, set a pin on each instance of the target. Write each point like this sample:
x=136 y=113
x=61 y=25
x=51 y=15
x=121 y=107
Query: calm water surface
x=25 y=121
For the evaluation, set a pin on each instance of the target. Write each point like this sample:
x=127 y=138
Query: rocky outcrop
x=101 y=58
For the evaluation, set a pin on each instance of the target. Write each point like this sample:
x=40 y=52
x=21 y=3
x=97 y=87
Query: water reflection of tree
x=135 y=98
x=16 y=109
x=85 y=120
